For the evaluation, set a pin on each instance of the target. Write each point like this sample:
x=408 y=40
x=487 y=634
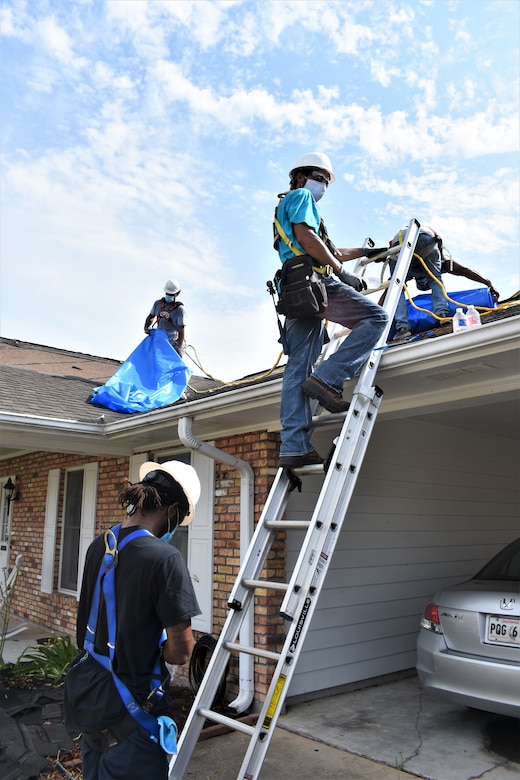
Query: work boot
x=327 y=397
x=311 y=458
x=401 y=334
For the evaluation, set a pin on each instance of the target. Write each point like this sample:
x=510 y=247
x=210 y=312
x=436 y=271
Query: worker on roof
x=449 y=266
x=169 y=314
x=427 y=276
x=299 y=229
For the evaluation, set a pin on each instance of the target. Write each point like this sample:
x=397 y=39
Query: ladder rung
x=252 y=651
x=216 y=717
x=316 y=468
x=326 y=419
x=288 y=525
x=265 y=584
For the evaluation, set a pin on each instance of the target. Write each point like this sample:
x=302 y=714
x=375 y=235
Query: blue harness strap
x=105 y=583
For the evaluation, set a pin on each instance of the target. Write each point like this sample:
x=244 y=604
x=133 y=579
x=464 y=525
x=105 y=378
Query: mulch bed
x=34 y=743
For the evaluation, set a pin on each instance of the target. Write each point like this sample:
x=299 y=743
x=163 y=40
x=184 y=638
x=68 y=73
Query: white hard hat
x=172 y=287
x=182 y=473
x=314 y=160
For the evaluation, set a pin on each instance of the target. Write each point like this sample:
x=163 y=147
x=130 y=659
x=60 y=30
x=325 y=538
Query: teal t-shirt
x=298 y=206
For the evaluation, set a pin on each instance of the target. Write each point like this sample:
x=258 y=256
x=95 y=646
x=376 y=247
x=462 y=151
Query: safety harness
x=167 y=313
x=105 y=584
x=279 y=233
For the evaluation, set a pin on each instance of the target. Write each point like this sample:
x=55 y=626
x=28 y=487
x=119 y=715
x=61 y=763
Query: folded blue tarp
x=153 y=376
x=421 y=321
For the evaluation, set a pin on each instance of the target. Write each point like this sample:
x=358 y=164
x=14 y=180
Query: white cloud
x=57 y=42
x=148 y=139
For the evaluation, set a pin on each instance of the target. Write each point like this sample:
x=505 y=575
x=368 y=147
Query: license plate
x=503 y=631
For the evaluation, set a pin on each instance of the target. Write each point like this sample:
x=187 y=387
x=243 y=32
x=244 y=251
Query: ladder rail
x=303 y=590
x=256 y=555
x=353 y=430
x=333 y=500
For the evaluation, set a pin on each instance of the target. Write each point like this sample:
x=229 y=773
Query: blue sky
x=147 y=140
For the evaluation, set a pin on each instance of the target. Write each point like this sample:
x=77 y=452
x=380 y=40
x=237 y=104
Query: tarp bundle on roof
x=421 y=321
x=153 y=376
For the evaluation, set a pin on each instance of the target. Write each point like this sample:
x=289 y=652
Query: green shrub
x=49 y=661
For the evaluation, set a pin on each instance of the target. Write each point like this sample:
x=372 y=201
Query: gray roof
x=23 y=391
x=42 y=381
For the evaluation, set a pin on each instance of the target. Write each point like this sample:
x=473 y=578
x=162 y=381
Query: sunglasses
x=317 y=176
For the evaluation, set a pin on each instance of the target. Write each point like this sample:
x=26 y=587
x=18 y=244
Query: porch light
x=11 y=492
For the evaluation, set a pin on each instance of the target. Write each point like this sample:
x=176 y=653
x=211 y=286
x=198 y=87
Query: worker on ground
x=299 y=218
x=169 y=315
x=153 y=591
x=429 y=248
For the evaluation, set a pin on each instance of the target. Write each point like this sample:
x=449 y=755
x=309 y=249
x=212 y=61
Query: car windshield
x=504 y=566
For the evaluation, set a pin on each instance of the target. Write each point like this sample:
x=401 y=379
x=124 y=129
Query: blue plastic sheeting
x=421 y=321
x=153 y=376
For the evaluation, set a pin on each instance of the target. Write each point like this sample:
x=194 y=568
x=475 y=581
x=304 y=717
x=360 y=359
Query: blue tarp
x=153 y=376
x=421 y=321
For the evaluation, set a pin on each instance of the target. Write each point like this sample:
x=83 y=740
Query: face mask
x=317 y=188
x=168 y=298
x=168 y=536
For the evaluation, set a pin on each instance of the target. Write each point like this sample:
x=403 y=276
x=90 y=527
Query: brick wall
x=57 y=611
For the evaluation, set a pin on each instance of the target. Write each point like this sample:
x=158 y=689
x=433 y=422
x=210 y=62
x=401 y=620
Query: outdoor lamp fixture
x=11 y=493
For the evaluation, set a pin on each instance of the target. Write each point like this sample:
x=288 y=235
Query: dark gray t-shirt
x=153 y=591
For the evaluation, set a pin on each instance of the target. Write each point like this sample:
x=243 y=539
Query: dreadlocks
x=157 y=489
x=139 y=496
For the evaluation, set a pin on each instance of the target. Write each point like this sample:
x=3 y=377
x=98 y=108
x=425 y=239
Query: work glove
x=370 y=253
x=352 y=280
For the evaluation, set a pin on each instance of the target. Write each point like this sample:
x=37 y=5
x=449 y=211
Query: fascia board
x=211 y=407
x=450 y=348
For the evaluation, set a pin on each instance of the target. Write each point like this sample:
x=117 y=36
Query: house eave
x=455 y=370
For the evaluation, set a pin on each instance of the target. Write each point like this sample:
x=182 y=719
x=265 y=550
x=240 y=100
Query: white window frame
x=87 y=522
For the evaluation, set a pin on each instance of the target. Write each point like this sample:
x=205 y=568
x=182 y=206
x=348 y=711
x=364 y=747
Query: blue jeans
x=136 y=758
x=423 y=281
x=304 y=338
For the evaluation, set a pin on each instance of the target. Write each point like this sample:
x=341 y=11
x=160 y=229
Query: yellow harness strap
x=320 y=269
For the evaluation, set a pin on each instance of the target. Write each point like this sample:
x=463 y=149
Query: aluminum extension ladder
x=303 y=590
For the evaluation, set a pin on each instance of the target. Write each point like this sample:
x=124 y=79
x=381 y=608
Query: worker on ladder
x=299 y=230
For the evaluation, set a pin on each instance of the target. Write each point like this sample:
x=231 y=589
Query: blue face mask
x=169 y=298
x=167 y=537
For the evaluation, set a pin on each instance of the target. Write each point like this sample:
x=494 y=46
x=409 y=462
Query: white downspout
x=246 y=662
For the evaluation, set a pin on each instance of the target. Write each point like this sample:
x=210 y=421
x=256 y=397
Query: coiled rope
x=199 y=661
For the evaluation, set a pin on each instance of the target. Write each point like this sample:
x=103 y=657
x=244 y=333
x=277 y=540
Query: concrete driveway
x=385 y=732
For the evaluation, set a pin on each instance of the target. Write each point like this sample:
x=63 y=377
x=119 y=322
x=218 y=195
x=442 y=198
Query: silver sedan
x=468 y=648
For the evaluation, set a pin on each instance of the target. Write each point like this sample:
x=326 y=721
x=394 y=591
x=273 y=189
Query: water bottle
x=472 y=317
x=459 y=321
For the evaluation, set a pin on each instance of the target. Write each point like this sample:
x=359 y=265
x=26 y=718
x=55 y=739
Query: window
x=5 y=523
x=78 y=525
x=71 y=530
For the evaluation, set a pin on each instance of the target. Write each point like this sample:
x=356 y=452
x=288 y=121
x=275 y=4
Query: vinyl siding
x=431 y=505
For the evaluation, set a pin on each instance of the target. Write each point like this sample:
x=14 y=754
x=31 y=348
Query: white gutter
x=246 y=662
x=449 y=348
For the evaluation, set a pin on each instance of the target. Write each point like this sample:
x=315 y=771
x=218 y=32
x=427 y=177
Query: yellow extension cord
x=238 y=382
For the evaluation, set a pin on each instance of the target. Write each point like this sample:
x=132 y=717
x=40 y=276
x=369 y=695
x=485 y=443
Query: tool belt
x=302 y=290
x=110 y=737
